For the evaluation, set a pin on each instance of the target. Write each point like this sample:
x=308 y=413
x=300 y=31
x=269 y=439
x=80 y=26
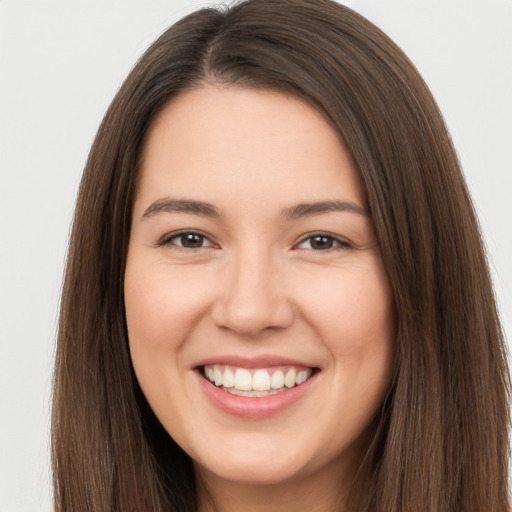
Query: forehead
x=225 y=141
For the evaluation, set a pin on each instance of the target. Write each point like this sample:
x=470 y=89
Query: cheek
x=354 y=314
x=359 y=330
x=353 y=309
x=162 y=305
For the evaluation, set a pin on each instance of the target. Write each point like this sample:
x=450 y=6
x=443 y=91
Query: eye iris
x=321 y=242
x=192 y=240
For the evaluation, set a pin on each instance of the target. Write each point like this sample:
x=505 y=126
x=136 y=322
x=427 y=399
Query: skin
x=258 y=284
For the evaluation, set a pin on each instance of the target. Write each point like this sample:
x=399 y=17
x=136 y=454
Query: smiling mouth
x=257 y=382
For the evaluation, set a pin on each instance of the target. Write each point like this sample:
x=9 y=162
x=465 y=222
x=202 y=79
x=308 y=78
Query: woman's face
x=253 y=260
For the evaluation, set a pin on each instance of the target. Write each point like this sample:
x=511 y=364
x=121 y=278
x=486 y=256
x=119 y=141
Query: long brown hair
x=442 y=439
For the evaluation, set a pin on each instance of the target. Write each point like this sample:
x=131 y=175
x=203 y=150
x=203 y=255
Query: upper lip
x=262 y=361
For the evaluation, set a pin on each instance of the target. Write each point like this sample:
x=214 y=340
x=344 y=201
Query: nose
x=252 y=297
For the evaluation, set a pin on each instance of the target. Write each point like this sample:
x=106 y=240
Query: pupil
x=192 y=240
x=321 y=242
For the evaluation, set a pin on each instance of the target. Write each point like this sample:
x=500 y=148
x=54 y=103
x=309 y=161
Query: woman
x=276 y=293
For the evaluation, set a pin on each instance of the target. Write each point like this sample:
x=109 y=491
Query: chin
x=266 y=473
x=254 y=465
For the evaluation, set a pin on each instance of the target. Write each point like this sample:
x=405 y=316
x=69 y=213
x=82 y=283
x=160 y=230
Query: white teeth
x=301 y=377
x=229 y=379
x=260 y=382
x=252 y=393
x=277 y=380
x=217 y=376
x=289 y=380
x=243 y=380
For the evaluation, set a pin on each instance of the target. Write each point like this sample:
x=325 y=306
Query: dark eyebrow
x=309 y=209
x=180 y=206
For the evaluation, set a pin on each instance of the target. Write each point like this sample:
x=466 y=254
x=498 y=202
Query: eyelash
x=336 y=243
x=168 y=240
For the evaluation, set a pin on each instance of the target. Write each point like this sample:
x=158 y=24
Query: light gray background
x=60 y=65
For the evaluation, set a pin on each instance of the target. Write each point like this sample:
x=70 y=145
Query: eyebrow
x=168 y=205
x=310 y=209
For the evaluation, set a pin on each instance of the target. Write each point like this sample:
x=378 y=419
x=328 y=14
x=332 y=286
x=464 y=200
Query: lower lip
x=254 y=407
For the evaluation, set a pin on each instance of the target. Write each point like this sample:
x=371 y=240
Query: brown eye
x=192 y=240
x=189 y=240
x=322 y=242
